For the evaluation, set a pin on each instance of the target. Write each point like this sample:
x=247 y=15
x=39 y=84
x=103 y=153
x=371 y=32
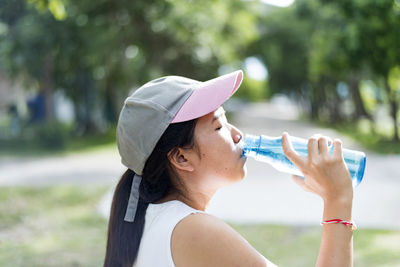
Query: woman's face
x=219 y=150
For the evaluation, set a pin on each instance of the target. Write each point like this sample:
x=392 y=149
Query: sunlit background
x=311 y=66
x=283 y=3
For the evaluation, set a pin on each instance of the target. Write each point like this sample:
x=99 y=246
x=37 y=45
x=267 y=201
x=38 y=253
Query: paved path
x=265 y=195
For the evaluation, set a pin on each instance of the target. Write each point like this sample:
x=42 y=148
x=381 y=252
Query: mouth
x=240 y=146
x=242 y=155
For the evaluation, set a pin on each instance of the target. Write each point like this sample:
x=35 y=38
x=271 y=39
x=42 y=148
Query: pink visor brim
x=209 y=96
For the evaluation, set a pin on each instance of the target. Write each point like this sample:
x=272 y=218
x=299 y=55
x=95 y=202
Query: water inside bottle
x=269 y=150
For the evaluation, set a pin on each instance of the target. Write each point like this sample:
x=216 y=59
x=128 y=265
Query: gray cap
x=147 y=113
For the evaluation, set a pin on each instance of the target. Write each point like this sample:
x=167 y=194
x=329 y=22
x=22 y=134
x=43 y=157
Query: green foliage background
x=319 y=52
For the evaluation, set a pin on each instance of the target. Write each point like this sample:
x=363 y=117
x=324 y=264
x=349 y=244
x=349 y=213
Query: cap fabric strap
x=133 y=199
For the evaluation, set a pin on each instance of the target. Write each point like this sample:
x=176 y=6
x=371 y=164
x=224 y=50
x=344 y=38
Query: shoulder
x=203 y=240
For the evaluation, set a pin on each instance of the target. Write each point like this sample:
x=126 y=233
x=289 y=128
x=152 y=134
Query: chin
x=244 y=172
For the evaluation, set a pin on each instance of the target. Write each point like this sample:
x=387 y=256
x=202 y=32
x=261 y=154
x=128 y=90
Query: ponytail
x=124 y=238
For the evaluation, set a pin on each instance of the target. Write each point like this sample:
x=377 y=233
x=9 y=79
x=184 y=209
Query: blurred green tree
x=97 y=51
x=378 y=26
x=307 y=49
x=283 y=47
x=320 y=51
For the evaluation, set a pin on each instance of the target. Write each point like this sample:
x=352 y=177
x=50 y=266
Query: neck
x=195 y=199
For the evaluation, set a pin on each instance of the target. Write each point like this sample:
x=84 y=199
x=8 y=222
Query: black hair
x=124 y=237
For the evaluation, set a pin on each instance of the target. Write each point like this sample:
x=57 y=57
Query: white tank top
x=160 y=221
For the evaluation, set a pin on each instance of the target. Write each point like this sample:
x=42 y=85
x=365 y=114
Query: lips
x=241 y=155
x=240 y=147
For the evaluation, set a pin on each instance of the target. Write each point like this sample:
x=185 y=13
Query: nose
x=237 y=135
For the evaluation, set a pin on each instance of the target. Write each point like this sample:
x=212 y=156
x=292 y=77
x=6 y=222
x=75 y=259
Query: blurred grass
x=59 y=226
x=299 y=246
x=56 y=226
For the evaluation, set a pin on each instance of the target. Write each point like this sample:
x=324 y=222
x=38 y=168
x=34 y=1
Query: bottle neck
x=253 y=144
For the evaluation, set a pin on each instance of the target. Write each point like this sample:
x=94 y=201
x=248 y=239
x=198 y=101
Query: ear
x=180 y=159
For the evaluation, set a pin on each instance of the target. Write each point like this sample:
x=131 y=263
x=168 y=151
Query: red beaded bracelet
x=347 y=223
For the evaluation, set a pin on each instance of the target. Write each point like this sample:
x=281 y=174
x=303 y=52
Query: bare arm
x=327 y=176
x=337 y=239
x=204 y=240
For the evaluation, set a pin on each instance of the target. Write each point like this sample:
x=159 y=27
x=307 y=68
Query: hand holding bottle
x=325 y=174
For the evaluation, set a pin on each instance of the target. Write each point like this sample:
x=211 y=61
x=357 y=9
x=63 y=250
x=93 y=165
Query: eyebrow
x=216 y=117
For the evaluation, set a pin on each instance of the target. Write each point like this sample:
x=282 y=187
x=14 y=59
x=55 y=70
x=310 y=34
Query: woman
x=179 y=149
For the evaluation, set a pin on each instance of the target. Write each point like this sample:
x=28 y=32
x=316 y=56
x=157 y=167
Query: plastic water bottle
x=269 y=149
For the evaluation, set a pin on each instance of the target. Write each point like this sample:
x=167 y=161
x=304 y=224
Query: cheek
x=221 y=155
x=217 y=149
x=227 y=145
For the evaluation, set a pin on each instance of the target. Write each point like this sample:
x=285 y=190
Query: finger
x=323 y=145
x=337 y=148
x=290 y=153
x=300 y=181
x=312 y=147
